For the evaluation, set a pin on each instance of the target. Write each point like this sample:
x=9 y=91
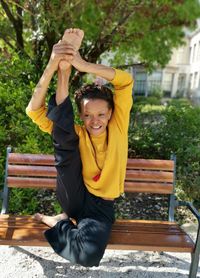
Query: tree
x=144 y=29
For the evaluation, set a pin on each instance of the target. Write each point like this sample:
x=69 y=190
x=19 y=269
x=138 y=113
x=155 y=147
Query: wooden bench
x=143 y=175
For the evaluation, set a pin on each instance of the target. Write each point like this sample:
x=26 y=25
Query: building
x=180 y=77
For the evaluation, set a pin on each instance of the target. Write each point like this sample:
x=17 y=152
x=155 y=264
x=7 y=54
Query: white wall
x=184 y=66
x=195 y=61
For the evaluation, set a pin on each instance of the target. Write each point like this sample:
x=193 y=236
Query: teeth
x=96 y=127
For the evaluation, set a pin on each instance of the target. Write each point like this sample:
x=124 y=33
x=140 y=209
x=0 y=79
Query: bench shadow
x=133 y=264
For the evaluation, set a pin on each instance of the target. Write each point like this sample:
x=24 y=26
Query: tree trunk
x=16 y=22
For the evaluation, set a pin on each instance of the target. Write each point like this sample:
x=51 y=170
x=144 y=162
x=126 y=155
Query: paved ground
x=27 y=262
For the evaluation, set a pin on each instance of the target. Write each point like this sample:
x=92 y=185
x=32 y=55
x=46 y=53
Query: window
x=195 y=85
x=181 y=81
x=198 y=52
x=167 y=82
x=194 y=53
x=154 y=80
x=190 y=55
x=190 y=81
x=140 y=83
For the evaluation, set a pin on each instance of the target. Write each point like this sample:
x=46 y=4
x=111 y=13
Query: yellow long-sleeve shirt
x=105 y=154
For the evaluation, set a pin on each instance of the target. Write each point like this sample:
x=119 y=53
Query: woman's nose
x=95 y=119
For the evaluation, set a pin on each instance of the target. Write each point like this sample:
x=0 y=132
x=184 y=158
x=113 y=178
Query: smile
x=95 y=127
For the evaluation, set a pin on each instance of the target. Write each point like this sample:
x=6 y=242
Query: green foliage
x=129 y=28
x=157 y=92
x=17 y=80
x=174 y=129
x=56 y=207
x=23 y=201
x=151 y=100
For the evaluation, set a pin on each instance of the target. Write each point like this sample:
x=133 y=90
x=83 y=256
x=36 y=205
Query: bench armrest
x=196 y=252
x=195 y=212
x=190 y=206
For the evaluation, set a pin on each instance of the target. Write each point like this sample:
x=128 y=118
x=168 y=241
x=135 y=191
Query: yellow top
x=107 y=153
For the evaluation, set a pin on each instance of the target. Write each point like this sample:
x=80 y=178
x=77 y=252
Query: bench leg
x=5 y=188
x=195 y=259
x=194 y=266
x=5 y=200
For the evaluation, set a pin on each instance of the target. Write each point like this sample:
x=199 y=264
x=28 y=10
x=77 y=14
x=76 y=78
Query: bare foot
x=74 y=37
x=50 y=220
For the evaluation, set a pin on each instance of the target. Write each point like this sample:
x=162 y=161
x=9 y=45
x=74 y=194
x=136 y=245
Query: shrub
x=17 y=80
x=151 y=100
x=157 y=133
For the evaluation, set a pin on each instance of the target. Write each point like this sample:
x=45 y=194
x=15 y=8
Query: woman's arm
x=36 y=109
x=60 y=52
x=81 y=65
x=123 y=83
x=39 y=94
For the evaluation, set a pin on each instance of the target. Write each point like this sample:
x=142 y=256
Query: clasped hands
x=63 y=54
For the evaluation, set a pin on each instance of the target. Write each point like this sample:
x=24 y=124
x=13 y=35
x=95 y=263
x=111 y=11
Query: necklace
x=94 y=150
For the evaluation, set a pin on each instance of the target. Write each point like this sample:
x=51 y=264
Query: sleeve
x=39 y=117
x=123 y=100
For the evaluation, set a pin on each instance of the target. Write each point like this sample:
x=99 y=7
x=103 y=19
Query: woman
x=90 y=159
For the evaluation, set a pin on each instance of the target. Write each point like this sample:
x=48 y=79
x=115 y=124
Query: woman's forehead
x=94 y=104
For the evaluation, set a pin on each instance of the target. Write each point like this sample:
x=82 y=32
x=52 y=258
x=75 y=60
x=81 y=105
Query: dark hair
x=93 y=91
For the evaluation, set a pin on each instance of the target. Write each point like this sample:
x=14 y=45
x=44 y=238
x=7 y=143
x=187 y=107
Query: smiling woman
x=86 y=156
x=95 y=114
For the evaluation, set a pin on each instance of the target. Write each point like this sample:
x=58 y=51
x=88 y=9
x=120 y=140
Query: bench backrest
x=38 y=171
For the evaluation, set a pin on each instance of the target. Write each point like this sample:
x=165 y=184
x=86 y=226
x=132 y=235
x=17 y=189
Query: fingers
x=67 y=57
x=62 y=51
x=64 y=48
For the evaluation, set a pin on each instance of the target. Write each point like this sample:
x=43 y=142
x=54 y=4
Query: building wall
x=180 y=77
x=185 y=67
x=195 y=62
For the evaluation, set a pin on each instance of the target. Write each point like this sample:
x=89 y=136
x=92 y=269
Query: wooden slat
x=131 y=187
x=126 y=234
x=32 y=159
x=45 y=159
x=150 y=236
x=22 y=230
x=148 y=187
x=22 y=170
x=131 y=175
x=21 y=182
x=151 y=164
x=149 y=176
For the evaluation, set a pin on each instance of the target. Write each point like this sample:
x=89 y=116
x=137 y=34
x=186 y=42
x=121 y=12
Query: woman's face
x=95 y=114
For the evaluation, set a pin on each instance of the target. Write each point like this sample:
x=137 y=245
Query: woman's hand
x=78 y=62
x=61 y=51
x=65 y=52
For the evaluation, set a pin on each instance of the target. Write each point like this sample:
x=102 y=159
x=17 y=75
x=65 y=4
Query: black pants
x=85 y=242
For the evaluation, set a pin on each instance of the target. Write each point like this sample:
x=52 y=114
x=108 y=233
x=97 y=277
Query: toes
x=79 y=32
x=68 y=30
x=75 y=30
x=38 y=216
